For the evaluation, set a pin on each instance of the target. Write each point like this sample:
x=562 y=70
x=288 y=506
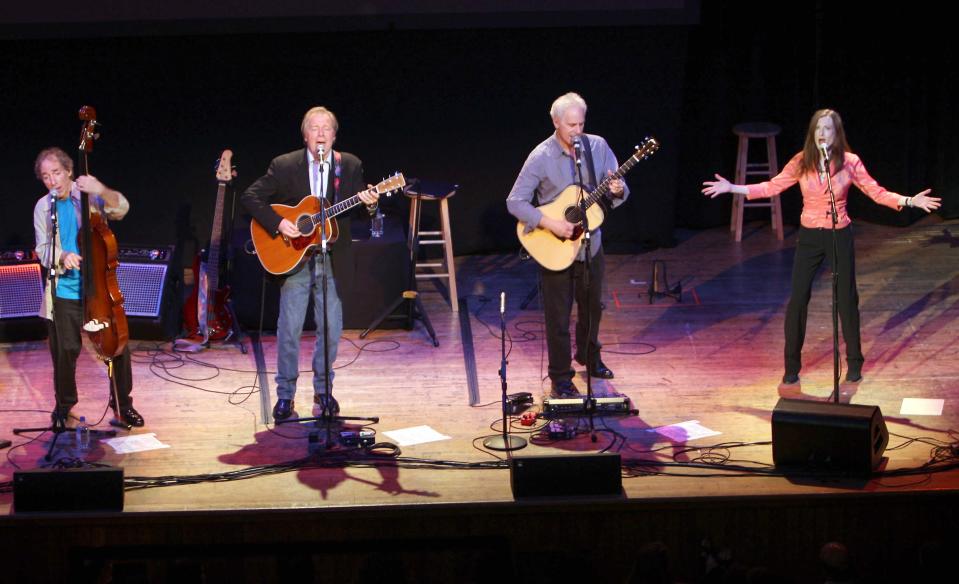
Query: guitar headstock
x=393 y=183
x=224 y=168
x=649 y=147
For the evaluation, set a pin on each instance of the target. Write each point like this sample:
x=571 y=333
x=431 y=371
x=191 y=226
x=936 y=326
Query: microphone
x=577 y=147
x=502 y=303
x=824 y=161
x=320 y=152
x=54 y=193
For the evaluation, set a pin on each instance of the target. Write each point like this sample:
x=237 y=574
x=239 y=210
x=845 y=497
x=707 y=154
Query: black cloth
x=559 y=290
x=813 y=247
x=381 y=274
x=65 y=336
x=287 y=181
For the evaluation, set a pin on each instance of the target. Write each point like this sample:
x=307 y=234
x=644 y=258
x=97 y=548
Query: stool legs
x=445 y=238
x=776 y=209
x=739 y=201
x=744 y=170
x=448 y=252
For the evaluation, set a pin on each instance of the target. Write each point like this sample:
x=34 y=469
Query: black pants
x=64 y=333
x=559 y=290
x=814 y=246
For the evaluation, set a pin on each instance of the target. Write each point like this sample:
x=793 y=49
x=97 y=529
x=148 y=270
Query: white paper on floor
x=916 y=406
x=685 y=431
x=415 y=435
x=135 y=443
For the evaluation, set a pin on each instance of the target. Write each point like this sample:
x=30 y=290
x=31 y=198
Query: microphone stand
x=835 y=276
x=327 y=412
x=590 y=404
x=506 y=442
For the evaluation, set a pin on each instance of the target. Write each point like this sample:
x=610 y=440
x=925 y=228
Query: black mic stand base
x=59 y=426
x=326 y=421
x=505 y=443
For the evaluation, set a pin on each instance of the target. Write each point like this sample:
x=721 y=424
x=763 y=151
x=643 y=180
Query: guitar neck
x=213 y=253
x=339 y=208
x=603 y=189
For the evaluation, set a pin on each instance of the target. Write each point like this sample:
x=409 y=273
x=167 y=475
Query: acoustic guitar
x=554 y=253
x=280 y=255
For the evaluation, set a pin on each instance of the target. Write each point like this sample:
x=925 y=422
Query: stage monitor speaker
x=148 y=279
x=566 y=475
x=70 y=489
x=825 y=436
x=21 y=292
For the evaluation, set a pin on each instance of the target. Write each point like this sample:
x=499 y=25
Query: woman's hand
x=926 y=203
x=717 y=187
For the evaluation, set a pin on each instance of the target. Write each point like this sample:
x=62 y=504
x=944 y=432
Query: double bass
x=104 y=319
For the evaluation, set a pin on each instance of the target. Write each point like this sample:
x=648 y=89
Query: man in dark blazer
x=316 y=170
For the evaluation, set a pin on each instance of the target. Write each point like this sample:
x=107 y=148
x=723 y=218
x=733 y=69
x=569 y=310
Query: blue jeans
x=294 y=299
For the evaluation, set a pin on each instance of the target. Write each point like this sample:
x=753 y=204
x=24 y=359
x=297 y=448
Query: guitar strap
x=591 y=181
x=337 y=173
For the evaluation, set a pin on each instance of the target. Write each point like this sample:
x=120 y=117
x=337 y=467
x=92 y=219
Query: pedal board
x=606 y=405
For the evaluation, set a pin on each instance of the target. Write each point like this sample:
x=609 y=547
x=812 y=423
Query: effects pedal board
x=517 y=403
x=606 y=405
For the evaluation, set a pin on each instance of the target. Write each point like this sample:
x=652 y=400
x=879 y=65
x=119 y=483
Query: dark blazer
x=287 y=182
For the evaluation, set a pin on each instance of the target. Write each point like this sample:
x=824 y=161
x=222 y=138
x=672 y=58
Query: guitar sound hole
x=305 y=225
x=573 y=214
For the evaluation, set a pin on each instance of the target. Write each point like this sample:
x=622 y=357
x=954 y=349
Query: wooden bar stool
x=746 y=169
x=418 y=193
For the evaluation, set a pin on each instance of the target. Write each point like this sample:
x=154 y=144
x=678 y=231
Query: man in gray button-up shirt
x=549 y=170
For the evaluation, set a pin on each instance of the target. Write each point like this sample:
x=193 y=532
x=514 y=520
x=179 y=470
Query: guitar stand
x=236 y=336
x=659 y=284
x=410 y=296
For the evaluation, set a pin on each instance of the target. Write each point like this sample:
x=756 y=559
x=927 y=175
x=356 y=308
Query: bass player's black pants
x=64 y=334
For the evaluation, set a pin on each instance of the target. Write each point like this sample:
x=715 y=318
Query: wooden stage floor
x=715 y=358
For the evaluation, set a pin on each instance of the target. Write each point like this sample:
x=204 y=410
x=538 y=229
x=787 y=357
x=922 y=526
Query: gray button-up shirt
x=548 y=170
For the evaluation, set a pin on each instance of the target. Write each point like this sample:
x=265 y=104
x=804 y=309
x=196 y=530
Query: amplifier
x=21 y=292
x=147 y=279
x=17 y=255
x=603 y=405
x=162 y=254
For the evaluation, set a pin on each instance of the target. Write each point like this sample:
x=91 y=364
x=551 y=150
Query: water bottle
x=83 y=435
x=376 y=224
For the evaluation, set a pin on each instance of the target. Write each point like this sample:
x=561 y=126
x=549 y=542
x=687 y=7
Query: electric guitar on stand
x=280 y=255
x=554 y=253
x=206 y=315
